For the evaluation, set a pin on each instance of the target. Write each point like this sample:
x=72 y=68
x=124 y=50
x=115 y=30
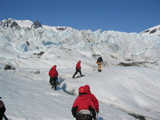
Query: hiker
x=83 y=107
x=2 y=109
x=99 y=63
x=78 y=69
x=53 y=77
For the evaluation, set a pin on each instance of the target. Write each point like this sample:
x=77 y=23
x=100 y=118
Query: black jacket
x=2 y=109
x=100 y=59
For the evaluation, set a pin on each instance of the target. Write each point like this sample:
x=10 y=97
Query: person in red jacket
x=53 y=77
x=94 y=99
x=83 y=107
x=2 y=109
x=78 y=69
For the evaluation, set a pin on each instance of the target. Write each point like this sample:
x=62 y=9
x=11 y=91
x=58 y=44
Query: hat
x=87 y=89
x=82 y=89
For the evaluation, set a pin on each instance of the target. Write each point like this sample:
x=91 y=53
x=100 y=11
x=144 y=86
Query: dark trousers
x=1 y=116
x=2 y=110
x=77 y=71
x=83 y=117
x=53 y=82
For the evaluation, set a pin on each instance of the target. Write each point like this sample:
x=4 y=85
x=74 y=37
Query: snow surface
x=128 y=84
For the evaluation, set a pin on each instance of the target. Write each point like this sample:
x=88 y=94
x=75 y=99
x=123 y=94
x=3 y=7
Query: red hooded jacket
x=83 y=101
x=78 y=65
x=93 y=98
x=53 y=72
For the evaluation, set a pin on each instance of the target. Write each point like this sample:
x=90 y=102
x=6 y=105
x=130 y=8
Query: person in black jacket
x=2 y=109
x=99 y=63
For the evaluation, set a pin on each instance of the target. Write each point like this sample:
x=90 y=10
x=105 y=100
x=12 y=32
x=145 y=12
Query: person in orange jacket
x=53 y=77
x=99 y=63
x=94 y=99
x=78 y=69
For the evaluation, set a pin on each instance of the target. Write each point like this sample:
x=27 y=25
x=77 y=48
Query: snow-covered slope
x=133 y=90
x=127 y=86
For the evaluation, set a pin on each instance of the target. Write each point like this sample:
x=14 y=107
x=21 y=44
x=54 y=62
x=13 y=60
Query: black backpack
x=100 y=59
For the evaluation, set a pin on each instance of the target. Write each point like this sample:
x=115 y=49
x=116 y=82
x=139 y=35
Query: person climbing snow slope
x=83 y=107
x=53 y=77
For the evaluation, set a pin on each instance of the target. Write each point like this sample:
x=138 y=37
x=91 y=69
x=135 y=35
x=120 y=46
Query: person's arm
x=95 y=103
x=57 y=73
x=74 y=111
x=93 y=112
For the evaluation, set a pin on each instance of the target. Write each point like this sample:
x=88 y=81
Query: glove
x=74 y=111
x=97 y=111
x=93 y=112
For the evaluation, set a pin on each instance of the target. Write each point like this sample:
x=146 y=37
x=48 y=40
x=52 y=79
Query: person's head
x=82 y=90
x=87 y=89
x=0 y=97
x=54 y=66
